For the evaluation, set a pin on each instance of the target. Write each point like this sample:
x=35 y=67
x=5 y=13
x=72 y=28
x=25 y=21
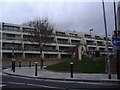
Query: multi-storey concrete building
x=23 y=48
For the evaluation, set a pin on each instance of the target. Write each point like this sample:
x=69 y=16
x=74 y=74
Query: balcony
x=10 y=48
x=12 y=38
x=63 y=50
x=26 y=31
x=91 y=44
x=11 y=29
x=103 y=51
x=75 y=37
x=110 y=45
x=91 y=48
x=62 y=35
x=101 y=44
x=108 y=39
x=62 y=42
x=31 y=49
x=50 y=49
x=89 y=36
x=76 y=43
x=26 y=39
x=111 y=51
x=98 y=38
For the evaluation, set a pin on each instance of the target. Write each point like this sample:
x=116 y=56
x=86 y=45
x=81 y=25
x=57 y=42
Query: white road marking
x=33 y=85
x=45 y=86
x=73 y=82
x=14 y=83
x=2 y=85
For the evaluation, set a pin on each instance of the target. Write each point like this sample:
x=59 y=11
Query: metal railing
x=10 y=48
x=11 y=29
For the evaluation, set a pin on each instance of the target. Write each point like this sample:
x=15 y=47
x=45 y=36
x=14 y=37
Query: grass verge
x=83 y=66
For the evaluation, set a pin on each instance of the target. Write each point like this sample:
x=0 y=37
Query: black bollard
x=41 y=63
x=36 y=68
x=19 y=63
x=71 y=63
x=13 y=66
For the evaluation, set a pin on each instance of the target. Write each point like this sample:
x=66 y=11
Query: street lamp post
x=105 y=26
x=91 y=39
x=116 y=35
x=90 y=31
x=13 y=57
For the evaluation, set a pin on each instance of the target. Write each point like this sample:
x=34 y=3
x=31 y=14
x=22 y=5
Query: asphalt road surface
x=15 y=82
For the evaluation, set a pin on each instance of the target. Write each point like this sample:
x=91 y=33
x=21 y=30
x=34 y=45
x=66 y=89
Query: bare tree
x=42 y=34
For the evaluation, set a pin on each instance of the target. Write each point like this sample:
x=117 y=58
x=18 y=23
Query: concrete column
x=59 y=55
x=22 y=43
x=57 y=47
x=69 y=39
x=23 y=54
x=79 y=53
x=43 y=56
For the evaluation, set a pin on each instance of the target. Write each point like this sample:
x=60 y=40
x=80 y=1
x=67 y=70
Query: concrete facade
x=24 y=49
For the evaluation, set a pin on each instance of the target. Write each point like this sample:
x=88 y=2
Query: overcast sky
x=77 y=16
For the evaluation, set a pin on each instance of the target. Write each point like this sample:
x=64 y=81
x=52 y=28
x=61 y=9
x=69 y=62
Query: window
x=9 y=55
x=10 y=35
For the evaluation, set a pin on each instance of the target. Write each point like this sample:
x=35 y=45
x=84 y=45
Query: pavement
x=61 y=76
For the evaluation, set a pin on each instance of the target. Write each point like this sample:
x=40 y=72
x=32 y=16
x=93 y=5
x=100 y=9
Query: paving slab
x=30 y=72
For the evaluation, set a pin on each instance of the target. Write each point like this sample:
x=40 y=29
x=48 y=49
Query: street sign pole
x=105 y=26
x=117 y=51
x=116 y=43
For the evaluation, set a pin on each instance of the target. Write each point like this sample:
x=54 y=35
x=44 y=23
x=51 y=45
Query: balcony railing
x=110 y=45
x=37 y=49
x=50 y=50
x=26 y=39
x=12 y=38
x=108 y=39
x=75 y=36
x=63 y=42
x=11 y=29
x=101 y=44
x=31 y=49
x=64 y=35
x=91 y=44
x=76 y=43
x=89 y=37
x=63 y=50
x=10 y=48
x=99 y=38
x=102 y=50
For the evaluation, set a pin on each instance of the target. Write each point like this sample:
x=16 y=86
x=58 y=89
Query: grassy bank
x=83 y=66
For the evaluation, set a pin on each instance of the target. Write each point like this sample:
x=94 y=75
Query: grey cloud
x=79 y=16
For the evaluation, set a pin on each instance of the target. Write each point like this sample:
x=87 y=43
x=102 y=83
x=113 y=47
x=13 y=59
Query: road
x=9 y=81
